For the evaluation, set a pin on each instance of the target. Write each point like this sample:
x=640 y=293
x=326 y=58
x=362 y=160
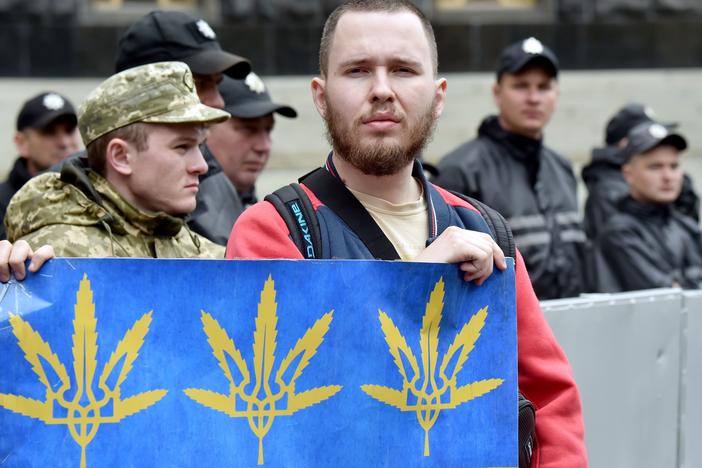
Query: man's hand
x=12 y=258
x=475 y=252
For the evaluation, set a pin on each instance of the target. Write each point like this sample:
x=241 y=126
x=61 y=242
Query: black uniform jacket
x=535 y=189
x=651 y=246
x=19 y=175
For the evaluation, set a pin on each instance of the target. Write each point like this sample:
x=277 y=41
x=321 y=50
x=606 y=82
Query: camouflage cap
x=162 y=92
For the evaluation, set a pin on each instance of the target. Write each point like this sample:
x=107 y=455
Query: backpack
x=294 y=207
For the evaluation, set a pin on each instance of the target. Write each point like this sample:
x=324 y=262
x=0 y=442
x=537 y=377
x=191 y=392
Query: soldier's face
x=242 y=147
x=42 y=148
x=655 y=176
x=165 y=175
x=379 y=97
x=526 y=101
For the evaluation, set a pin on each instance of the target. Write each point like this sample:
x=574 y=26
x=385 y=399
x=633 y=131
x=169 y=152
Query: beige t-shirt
x=404 y=224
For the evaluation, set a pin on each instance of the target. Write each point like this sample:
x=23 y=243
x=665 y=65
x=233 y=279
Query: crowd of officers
x=641 y=216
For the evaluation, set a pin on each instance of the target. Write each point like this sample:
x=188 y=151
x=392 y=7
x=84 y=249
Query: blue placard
x=128 y=362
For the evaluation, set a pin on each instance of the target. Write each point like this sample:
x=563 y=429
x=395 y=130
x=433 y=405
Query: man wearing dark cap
x=242 y=145
x=647 y=243
x=508 y=167
x=172 y=35
x=606 y=185
x=46 y=134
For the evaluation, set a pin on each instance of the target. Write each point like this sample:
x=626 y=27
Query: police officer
x=509 y=168
x=172 y=35
x=603 y=176
x=46 y=134
x=242 y=145
x=647 y=243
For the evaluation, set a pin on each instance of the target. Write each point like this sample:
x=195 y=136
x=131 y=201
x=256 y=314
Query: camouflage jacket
x=88 y=218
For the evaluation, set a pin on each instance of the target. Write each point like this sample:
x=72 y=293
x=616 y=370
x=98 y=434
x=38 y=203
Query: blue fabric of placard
x=194 y=348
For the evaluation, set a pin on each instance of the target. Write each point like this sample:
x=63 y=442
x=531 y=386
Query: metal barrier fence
x=637 y=358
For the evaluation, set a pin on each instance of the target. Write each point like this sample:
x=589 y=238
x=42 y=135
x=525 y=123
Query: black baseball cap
x=45 y=108
x=249 y=98
x=646 y=136
x=163 y=36
x=628 y=117
x=528 y=52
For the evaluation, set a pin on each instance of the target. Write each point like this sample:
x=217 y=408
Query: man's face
x=242 y=147
x=526 y=101
x=165 y=175
x=379 y=97
x=42 y=148
x=655 y=176
x=207 y=89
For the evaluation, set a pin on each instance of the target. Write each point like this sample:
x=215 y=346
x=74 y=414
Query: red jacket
x=545 y=376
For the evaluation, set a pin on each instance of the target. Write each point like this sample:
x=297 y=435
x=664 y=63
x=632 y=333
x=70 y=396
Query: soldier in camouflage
x=128 y=198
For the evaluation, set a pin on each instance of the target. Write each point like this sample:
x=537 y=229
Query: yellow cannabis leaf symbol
x=82 y=420
x=261 y=404
x=421 y=392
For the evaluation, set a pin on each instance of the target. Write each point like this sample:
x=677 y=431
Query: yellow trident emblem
x=261 y=403
x=427 y=397
x=82 y=420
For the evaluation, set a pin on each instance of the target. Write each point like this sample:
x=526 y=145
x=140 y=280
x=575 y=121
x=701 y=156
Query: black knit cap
x=163 y=36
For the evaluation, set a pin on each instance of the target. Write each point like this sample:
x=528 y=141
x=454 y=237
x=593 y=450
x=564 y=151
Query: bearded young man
x=379 y=95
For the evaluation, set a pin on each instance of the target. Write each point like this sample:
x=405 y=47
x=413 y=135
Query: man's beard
x=376 y=156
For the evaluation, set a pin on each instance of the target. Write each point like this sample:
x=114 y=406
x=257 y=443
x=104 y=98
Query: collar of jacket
x=520 y=147
x=645 y=210
x=248 y=197
x=119 y=214
x=19 y=175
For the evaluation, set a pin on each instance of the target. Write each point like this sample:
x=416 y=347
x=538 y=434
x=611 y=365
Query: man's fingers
x=5 y=249
x=477 y=273
x=499 y=256
x=21 y=251
x=43 y=253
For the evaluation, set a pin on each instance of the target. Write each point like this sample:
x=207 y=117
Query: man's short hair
x=136 y=134
x=388 y=6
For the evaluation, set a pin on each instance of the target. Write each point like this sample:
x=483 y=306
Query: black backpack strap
x=334 y=194
x=294 y=206
x=497 y=224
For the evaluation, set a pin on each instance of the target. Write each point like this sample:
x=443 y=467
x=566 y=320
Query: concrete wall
x=587 y=100
x=637 y=359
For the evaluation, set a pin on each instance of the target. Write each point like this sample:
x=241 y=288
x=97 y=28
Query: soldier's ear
x=118 y=157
